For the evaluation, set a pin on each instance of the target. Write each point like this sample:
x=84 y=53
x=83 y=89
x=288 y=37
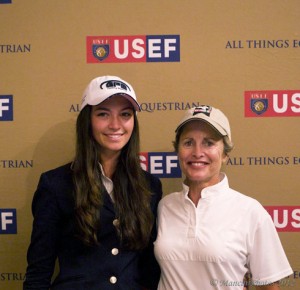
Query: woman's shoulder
x=57 y=178
x=151 y=177
x=62 y=170
x=172 y=199
x=55 y=184
x=248 y=205
x=154 y=184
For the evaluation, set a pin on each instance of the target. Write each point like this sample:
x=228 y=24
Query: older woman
x=209 y=235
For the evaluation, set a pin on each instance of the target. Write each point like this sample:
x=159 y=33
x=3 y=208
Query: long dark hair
x=131 y=191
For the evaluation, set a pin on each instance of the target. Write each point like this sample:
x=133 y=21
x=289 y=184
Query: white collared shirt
x=107 y=182
x=213 y=245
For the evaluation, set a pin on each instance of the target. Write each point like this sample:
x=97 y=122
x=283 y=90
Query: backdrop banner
x=240 y=56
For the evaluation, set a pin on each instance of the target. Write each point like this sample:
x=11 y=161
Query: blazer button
x=113 y=280
x=115 y=251
x=116 y=222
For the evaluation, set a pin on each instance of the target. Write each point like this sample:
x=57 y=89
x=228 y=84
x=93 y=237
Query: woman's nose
x=198 y=151
x=114 y=122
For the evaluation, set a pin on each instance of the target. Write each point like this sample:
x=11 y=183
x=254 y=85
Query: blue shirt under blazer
x=103 y=267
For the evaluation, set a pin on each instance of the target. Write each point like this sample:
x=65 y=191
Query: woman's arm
x=149 y=267
x=42 y=251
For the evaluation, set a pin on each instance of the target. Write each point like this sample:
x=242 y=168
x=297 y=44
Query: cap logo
x=202 y=110
x=115 y=84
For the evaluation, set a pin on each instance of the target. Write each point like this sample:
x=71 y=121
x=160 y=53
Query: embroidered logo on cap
x=114 y=84
x=202 y=110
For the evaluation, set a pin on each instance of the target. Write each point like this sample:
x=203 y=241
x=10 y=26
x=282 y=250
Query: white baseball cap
x=102 y=88
x=210 y=115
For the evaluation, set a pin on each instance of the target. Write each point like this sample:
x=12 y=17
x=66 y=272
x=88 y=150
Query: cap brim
x=96 y=101
x=213 y=124
x=135 y=104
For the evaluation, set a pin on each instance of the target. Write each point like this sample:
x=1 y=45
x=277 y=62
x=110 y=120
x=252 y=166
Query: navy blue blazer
x=102 y=267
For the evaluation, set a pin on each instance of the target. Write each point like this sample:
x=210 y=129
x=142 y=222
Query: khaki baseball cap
x=210 y=115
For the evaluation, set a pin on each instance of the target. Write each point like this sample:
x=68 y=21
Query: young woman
x=96 y=215
x=209 y=235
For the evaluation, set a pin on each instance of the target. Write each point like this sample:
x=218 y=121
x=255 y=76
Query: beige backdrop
x=227 y=48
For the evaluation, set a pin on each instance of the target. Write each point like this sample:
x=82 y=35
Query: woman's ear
x=225 y=158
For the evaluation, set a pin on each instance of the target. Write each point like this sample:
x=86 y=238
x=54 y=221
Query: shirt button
x=116 y=222
x=113 y=280
x=115 y=251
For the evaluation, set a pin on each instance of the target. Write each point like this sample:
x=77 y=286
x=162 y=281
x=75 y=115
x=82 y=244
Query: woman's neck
x=109 y=164
x=195 y=193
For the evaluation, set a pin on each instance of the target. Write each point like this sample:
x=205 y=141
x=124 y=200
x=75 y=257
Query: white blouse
x=213 y=245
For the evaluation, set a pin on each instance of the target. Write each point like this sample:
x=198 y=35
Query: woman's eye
x=102 y=114
x=187 y=143
x=209 y=143
x=127 y=114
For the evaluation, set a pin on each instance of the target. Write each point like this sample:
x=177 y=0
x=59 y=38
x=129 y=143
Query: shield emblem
x=259 y=106
x=101 y=52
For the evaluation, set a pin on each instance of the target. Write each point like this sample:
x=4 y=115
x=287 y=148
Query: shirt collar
x=107 y=182
x=211 y=191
